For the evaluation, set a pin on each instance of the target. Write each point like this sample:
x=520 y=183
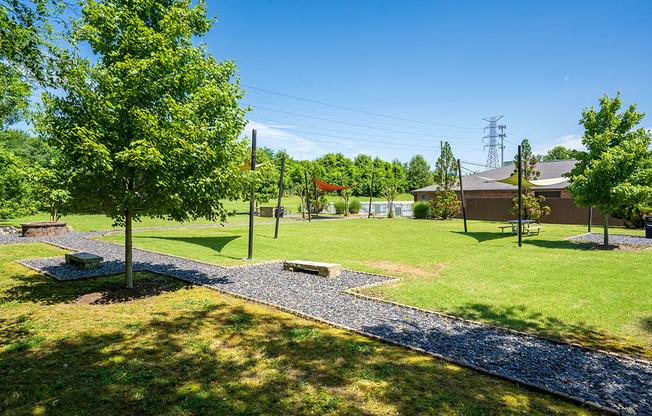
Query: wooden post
x=459 y=171
x=520 y=197
x=371 y=196
x=280 y=194
x=590 y=217
x=253 y=196
x=307 y=195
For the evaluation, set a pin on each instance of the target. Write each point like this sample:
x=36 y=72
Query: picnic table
x=529 y=227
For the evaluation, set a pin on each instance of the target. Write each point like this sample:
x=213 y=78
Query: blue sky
x=438 y=63
x=393 y=79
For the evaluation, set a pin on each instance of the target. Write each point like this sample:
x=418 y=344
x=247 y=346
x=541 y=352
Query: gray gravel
x=633 y=240
x=610 y=381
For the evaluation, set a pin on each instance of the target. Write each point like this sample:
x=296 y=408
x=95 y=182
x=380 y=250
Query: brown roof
x=549 y=170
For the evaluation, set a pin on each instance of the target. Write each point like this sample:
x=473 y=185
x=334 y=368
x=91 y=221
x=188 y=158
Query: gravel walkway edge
x=463 y=363
x=532 y=386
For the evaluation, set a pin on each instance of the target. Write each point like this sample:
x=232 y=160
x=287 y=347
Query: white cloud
x=571 y=141
x=276 y=137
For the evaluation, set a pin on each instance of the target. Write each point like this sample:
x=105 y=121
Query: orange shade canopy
x=326 y=187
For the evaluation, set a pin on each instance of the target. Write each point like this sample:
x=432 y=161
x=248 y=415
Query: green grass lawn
x=98 y=222
x=549 y=286
x=89 y=348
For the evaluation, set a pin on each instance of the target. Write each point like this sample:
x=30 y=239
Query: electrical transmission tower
x=492 y=158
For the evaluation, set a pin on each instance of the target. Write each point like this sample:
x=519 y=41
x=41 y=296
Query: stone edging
x=543 y=389
x=637 y=360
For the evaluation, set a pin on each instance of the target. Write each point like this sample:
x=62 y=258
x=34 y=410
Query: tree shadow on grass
x=518 y=317
x=483 y=236
x=202 y=356
x=216 y=243
x=569 y=245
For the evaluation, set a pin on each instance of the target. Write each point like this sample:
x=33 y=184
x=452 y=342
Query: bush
x=421 y=210
x=445 y=205
x=354 y=206
x=340 y=207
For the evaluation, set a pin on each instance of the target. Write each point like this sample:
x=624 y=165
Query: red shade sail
x=326 y=187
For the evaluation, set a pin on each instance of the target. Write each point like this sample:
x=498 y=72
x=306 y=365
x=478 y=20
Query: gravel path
x=634 y=240
x=615 y=382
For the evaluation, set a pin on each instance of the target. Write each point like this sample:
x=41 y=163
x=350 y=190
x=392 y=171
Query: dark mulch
x=117 y=293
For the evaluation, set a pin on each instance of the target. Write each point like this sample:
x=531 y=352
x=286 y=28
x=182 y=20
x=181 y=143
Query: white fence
x=400 y=208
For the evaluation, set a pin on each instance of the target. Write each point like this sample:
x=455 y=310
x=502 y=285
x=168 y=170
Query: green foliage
x=418 y=173
x=340 y=207
x=30 y=150
x=533 y=208
x=151 y=126
x=354 y=206
x=446 y=168
x=615 y=173
x=445 y=205
x=421 y=210
x=528 y=163
x=267 y=176
x=559 y=153
x=633 y=216
x=17 y=187
x=25 y=36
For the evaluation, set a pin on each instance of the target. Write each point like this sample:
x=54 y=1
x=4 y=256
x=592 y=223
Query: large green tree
x=149 y=126
x=418 y=173
x=559 y=153
x=615 y=172
x=25 y=36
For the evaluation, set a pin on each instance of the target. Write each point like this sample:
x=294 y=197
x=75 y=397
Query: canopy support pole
x=253 y=195
x=459 y=172
x=590 y=218
x=307 y=195
x=371 y=196
x=520 y=197
x=280 y=194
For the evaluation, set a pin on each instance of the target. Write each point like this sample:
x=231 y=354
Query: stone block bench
x=323 y=269
x=84 y=260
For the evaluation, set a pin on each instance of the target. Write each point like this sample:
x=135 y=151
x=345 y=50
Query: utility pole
x=371 y=196
x=493 y=136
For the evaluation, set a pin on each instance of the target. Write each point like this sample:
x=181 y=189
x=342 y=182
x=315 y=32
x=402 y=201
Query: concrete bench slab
x=323 y=269
x=84 y=260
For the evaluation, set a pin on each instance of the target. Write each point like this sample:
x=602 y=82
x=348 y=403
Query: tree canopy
x=151 y=125
x=615 y=172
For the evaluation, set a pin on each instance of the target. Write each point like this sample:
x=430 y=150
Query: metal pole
x=280 y=194
x=371 y=197
x=590 y=217
x=307 y=195
x=459 y=171
x=520 y=198
x=253 y=195
x=316 y=201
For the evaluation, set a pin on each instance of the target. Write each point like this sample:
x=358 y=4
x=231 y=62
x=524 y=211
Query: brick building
x=488 y=200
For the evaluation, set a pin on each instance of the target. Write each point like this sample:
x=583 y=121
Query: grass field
x=549 y=286
x=99 y=222
x=164 y=348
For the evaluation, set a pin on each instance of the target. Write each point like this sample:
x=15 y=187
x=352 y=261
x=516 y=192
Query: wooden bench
x=84 y=260
x=323 y=269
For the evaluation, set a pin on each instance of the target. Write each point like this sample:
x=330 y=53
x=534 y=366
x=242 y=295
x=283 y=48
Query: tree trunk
x=129 y=278
x=606 y=229
x=346 y=204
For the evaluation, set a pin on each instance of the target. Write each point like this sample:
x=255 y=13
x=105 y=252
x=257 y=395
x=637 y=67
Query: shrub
x=533 y=208
x=445 y=205
x=421 y=210
x=354 y=206
x=340 y=207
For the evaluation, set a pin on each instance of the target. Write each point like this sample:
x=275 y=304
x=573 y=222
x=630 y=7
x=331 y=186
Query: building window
x=548 y=194
x=423 y=197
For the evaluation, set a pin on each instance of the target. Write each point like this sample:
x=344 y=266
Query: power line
x=355 y=110
x=336 y=115
x=344 y=122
